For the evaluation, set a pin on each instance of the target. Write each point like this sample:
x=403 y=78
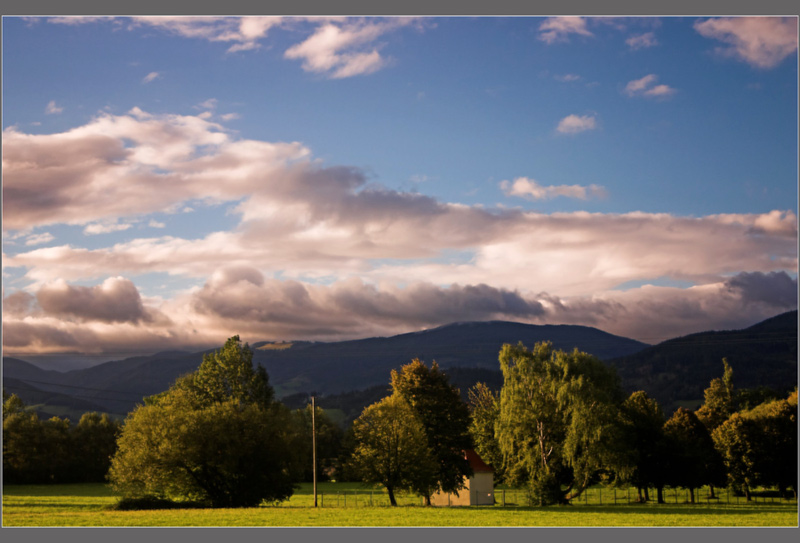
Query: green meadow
x=346 y=504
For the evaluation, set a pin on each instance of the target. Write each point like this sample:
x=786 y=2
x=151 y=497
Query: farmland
x=346 y=504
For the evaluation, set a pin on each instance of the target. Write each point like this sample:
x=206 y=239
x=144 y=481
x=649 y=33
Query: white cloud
x=762 y=42
x=243 y=32
x=345 y=49
x=558 y=29
x=574 y=124
x=152 y=76
x=567 y=78
x=642 y=41
x=38 y=239
x=530 y=189
x=155 y=224
x=646 y=87
x=230 y=116
x=52 y=108
x=104 y=228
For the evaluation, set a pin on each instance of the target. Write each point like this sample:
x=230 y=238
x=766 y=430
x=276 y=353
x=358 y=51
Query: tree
x=693 y=460
x=94 y=442
x=391 y=447
x=445 y=421
x=484 y=412
x=558 y=424
x=215 y=437
x=759 y=446
x=644 y=421
x=329 y=443
x=719 y=404
x=12 y=404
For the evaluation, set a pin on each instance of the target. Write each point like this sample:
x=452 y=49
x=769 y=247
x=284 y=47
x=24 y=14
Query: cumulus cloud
x=243 y=33
x=115 y=300
x=152 y=76
x=575 y=124
x=241 y=300
x=52 y=108
x=345 y=49
x=530 y=189
x=127 y=165
x=646 y=87
x=642 y=41
x=559 y=29
x=762 y=42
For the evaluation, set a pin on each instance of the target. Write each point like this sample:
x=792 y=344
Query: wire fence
x=516 y=497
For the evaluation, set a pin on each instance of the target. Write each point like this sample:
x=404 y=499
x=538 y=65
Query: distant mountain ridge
x=324 y=367
x=347 y=373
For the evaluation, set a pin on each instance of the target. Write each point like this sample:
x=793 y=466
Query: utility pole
x=314 y=445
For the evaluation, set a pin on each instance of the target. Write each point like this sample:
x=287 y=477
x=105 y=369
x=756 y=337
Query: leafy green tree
x=445 y=420
x=739 y=442
x=559 y=420
x=94 y=442
x=12 y=404
x=720 y=398
x=759 y=446
x=644 y=421
x=693 y=460
x=484 y=412
x=214 y=437
x=391 y=447
x=329 y=443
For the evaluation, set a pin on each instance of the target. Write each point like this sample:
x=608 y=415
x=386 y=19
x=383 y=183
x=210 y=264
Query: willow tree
x=559 y=420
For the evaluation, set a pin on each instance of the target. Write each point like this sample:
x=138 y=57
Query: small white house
x=478 y=489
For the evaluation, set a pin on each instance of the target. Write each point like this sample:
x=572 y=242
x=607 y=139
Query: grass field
x=88 y=505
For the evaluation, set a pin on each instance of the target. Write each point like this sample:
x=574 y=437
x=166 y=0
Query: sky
x=169 y=182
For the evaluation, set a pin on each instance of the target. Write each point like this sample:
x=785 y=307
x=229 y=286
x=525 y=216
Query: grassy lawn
x=87 y=505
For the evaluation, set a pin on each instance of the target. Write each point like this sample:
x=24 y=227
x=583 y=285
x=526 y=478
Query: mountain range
x=350 y=372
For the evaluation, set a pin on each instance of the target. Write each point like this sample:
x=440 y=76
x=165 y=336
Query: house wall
x=478 y=490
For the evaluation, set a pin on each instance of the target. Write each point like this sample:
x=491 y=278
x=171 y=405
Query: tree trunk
x=747 y=493
x=390 y=490
x=428 y=500
x=711 y=492
x=691 y=495
x=646 y=494
x=641 y=496
x=660 y=494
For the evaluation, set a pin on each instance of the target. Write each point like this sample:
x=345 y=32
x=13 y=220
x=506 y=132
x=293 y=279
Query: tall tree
x=484 y=411
x=559 y=422
x=644 y=421
x=215 y=436
x=391 y=447
x=693 y=461
x=445 y=420
x=719 y=403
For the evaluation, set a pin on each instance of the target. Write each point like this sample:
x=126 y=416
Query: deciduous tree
x=559 y=422
x=391 y=447
x=445 y=421
x=484 y=412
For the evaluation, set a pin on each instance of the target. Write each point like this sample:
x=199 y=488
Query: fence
x=514 y=497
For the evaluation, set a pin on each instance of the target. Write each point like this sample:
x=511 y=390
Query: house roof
x=476 y=463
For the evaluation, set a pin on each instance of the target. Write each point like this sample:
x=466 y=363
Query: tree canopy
x=391 y=447
x=558 y=421
x=216 y=437
x=445 y=421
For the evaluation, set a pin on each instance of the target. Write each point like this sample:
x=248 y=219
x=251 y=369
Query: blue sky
x=225 y=175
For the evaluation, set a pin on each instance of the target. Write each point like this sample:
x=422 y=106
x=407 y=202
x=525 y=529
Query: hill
x=322 y=368
x=677 y=371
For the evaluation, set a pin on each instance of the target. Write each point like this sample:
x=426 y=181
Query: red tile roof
x=476 y=463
